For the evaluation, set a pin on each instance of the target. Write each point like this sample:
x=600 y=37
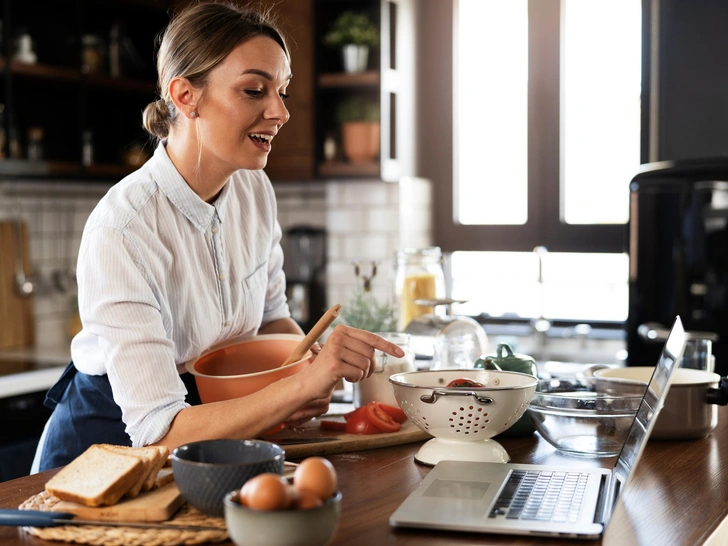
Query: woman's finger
x=373 y=340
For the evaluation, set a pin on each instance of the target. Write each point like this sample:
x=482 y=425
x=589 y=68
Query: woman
x=185 y=253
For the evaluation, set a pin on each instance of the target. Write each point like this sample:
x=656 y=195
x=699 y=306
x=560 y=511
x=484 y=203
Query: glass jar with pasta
x=418 y=276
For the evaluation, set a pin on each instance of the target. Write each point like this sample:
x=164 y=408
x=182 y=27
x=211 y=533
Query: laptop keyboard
x=542 y=496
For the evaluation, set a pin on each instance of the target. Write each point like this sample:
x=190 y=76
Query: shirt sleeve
x=276 y=304
x=120 y=309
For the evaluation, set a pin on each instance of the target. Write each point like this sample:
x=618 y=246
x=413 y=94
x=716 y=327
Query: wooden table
x=680 y=495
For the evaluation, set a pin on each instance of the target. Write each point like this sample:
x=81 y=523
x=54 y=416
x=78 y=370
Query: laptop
x=528 y=499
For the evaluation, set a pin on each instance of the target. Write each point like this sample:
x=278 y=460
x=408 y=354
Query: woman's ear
x=184 y=96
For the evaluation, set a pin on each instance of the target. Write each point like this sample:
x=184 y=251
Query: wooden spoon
x=316 y=332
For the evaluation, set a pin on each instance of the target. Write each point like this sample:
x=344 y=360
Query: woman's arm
x=348 y=354
x=281 y=326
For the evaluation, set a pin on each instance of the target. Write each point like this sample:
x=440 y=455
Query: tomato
x=358 y=412
x=332 y=425
x=463 y=382
x=381 y=419
x=359 y=423
x=394 y=412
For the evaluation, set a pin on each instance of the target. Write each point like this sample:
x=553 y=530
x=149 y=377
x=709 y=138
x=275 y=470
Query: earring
x=193 y=114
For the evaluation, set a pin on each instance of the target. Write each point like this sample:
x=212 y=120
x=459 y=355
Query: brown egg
x=266 y=492
x=316 y=475
x=303 y=500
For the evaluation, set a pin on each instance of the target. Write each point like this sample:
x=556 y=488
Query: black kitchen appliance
x=678 y=253
x=305 y=268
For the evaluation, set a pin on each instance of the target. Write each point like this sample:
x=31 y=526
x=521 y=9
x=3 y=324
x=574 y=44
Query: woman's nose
x=278 y=111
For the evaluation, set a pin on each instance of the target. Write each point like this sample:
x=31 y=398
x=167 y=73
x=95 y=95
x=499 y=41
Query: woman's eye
x=255 y=93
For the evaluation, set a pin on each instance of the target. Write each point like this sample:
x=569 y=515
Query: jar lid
x=508 y=361
x=35 y=133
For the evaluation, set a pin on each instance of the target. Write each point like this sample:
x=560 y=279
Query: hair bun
x=156 y=118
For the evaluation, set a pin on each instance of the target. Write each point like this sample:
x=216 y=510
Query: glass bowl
x=576 y=420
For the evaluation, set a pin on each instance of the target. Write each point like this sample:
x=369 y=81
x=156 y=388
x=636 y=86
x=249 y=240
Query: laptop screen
x=652 y=402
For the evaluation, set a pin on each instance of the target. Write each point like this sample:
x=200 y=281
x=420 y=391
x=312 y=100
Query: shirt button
x=214 y=229
x=222 y=276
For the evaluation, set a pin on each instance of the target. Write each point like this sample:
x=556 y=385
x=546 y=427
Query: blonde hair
x=196 y=40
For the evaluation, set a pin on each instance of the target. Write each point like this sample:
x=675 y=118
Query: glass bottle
x=418 y=276
x=377 y=386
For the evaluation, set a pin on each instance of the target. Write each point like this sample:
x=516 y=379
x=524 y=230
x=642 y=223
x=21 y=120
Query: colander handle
x=437 y=393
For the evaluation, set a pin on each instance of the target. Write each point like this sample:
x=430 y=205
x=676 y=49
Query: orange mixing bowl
x=240 y=367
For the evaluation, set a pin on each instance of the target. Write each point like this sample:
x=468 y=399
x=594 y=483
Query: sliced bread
x=97 y=477
x=161 y=459
x=149 y=456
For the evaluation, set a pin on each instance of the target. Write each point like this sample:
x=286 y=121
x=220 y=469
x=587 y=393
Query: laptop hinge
x=607 y=494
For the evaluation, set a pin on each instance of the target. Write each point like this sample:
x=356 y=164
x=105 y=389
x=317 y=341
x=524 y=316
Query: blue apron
x=84 y=413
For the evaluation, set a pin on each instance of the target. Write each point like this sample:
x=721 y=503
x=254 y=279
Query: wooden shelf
x=67 y=75
x=25 y=168
x=330 y=169
x=343 y=79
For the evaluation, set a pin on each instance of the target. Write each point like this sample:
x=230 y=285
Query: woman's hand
x=347 y=354
x=308 y=412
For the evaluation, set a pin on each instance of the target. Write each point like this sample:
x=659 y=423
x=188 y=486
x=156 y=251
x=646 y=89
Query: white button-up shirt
x=163 y=275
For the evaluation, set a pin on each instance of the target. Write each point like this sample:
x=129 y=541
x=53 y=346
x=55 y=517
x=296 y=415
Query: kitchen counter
x=678 y=498
x=32 y=369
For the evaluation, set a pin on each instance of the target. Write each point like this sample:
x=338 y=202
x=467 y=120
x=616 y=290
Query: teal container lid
x=508 y=361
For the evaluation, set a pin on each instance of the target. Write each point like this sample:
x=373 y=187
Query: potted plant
x=354 y=34
x=359 y=119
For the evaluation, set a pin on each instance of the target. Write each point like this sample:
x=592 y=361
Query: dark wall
x=693 y=91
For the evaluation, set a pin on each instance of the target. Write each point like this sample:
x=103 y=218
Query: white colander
x=463 y=419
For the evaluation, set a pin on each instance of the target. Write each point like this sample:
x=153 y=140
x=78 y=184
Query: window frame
x=544 y=227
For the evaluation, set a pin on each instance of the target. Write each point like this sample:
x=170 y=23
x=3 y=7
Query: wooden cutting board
x=17 y=327
x=342 y=442
x=156 y=505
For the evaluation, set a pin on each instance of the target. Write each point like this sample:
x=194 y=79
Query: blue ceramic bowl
x=206 y=471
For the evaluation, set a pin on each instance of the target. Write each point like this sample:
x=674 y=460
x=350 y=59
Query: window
x=546 y=138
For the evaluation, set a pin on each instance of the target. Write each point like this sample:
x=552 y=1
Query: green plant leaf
x=365 y=312
x=352 y=28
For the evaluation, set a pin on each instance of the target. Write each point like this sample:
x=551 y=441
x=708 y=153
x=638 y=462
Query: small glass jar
x=377 y=386
x=91 y=54
x=418 y=276
x=35 y=143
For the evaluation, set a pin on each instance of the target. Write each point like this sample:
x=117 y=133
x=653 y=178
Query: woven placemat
x=130 y=536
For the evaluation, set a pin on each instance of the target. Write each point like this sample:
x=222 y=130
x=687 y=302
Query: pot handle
x=720 y=395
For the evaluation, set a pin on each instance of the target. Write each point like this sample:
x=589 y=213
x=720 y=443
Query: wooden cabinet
x=388 y=81
x=292 y=156
x=72 y=101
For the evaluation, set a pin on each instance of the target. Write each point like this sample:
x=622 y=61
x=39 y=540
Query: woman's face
x=242 y=108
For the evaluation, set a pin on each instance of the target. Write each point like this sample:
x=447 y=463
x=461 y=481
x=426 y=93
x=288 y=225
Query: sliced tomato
x=394 y=412
x=359 y=423
x=358 y=412
x=464 y=382
x=381 y=419
x=332 y=425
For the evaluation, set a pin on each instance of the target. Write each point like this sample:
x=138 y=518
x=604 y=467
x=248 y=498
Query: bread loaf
x=150 y=457
x=97 y=477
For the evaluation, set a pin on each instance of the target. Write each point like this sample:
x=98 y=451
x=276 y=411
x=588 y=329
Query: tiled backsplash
x=366 y=221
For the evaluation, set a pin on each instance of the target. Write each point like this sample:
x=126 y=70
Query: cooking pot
x=690 y=410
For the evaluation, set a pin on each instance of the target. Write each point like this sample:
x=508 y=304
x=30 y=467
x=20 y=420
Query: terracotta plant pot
x=360 y=141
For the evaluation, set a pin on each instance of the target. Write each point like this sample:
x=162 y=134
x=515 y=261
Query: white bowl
x=305 y=527
x=463 y=419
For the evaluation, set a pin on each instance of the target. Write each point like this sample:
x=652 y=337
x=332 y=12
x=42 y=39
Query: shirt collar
x=179 y=193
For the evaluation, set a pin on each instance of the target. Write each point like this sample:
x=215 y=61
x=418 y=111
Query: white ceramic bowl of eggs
x=269 y=510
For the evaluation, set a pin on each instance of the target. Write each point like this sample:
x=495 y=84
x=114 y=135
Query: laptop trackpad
x=456 y=489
